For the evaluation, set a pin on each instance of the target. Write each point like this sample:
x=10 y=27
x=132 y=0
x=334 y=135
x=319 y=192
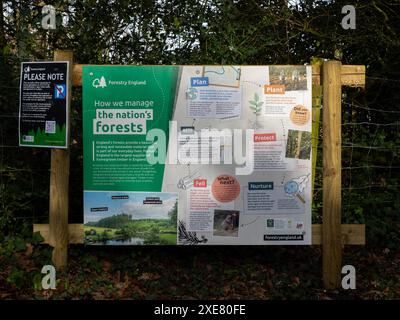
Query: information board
x=197 y=155
x=43 y=111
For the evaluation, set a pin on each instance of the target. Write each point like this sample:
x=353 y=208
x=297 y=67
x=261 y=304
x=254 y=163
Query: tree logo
x=99 y=82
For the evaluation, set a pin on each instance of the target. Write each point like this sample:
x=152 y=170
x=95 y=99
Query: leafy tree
x=173 y=215
x=116 y=221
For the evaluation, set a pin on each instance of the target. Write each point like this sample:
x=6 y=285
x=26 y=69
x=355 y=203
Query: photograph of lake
x=130 y=218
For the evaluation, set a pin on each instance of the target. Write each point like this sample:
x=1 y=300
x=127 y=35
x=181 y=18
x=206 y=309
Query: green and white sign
x=121 y=104
x=122 y=198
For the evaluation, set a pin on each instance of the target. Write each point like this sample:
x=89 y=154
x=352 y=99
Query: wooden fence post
x=331 y=212
x=59 y=186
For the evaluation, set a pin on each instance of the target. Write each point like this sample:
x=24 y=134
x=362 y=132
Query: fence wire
x=370 y=161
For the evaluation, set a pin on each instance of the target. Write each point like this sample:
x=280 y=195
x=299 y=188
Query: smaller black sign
x=99 y=209
x=124 y=197
x=152 y=200
x=43 y=108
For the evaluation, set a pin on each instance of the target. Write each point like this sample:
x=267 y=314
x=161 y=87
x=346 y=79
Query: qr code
x=50 y=127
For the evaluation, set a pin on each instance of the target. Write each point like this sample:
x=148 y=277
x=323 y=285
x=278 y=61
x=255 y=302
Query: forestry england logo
x=99 y=83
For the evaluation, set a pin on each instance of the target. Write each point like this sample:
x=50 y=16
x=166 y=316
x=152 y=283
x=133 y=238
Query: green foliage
x=37 y=238
x=256 y=104
x=18 y=243
x=173 y=215
x=16 y=277
x=37 y=281
x=115 y=221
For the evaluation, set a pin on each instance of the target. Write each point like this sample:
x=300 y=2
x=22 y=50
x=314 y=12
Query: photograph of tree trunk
x=298 y=144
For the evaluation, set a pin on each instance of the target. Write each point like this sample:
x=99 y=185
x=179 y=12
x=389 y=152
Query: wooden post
x=331 y=212
x=59 y=185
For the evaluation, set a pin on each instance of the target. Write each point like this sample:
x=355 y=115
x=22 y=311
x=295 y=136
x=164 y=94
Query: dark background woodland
x=207 y=32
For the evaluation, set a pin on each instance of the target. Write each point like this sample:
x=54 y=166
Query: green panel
x=116 y=161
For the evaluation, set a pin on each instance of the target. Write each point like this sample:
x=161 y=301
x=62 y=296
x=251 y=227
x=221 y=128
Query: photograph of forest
x=129 y=219
x=292 y=77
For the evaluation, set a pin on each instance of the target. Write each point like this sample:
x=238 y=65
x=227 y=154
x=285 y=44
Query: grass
x=171 y=238
x=168 y=234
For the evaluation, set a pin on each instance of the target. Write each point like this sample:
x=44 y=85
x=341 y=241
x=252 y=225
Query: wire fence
x=370 y=161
